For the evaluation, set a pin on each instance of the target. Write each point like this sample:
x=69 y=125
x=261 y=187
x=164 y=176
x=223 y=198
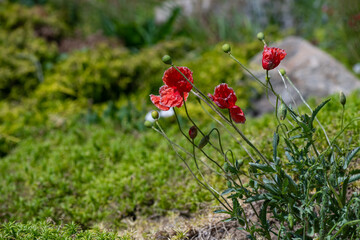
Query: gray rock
x=314 y=72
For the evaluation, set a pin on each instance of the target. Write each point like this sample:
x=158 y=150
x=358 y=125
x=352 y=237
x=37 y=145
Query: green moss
x=48 y=230
x=94 y=173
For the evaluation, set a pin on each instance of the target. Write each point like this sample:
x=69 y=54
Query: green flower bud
x=226 y=48
x=282 y=111
x=167 y=59
x=229 y=184
x=291 y=221
x=260 y=36
x=155 y=115
x=148 y=124
x=203 y=142
x=342 y=98
x=282 y=72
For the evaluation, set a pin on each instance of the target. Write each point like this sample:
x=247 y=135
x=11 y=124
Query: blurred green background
x=74 y=83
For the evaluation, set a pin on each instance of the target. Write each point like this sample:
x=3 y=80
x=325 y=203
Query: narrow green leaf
x=222 y=211
x=263 y=215
x=257 y=197
x=296 y=137
x=289 y=157
x=317 y=109
x=271 y=187
x=263 y=167
x=350 y=156
x=344 y=190
x=275 y=145
x=354 y=178
x=229 y=190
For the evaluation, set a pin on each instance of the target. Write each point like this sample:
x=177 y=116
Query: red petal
x=224 y=97
x=156 y=101
x=237 y=114
x=174 y=79
x=272 y=57
x=170 y=97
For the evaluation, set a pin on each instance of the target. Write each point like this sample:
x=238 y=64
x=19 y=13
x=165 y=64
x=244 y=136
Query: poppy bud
x=291 y=221
x=148 y=124
x=167 y=59
x=193 y=132
x=203 y=142
x=229 y=184
x=226 y=48
x=282 y=111
x=282 y=72
x=342 y=98
x=155 y=115
x=260 y=36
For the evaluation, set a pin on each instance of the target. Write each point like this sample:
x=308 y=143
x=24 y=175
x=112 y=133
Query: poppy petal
x=272 y=57
x=170 y=97
x=174 y=79
x=156 y=101
x=224 y=97
x=237 y=114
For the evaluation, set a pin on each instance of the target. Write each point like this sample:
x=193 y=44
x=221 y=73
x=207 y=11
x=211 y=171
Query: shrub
x=24 y=50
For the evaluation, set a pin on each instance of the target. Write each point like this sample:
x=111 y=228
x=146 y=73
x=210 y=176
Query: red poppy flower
x=224 y=97
x=174 y=79
x=237 y=114
x=175 y=91
x=272 y=57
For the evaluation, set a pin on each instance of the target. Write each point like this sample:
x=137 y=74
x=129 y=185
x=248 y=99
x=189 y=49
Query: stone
x=313 y=72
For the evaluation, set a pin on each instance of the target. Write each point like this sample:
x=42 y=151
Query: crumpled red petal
x=224 y=97
x=237 y=115
x=174 y=79
x=272 y=57
x=171 y=97
x=156 y=101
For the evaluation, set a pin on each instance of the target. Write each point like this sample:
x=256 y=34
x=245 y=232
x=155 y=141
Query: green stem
x=342 y=227
x=212 y=160
x=188 y=116
x=247 y=70
x=211 y=105
x=342 y=120
x=204 y=179
x=192 y=173
x=307 y=105
x=231 y=134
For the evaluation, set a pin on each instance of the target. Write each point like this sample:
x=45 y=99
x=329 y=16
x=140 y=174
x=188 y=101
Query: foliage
x=106 y=73
x=302 y=185
x=23 y=52
x=47 y=230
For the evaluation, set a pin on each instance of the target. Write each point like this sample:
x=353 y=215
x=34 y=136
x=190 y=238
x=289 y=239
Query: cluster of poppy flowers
x=177 y=87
